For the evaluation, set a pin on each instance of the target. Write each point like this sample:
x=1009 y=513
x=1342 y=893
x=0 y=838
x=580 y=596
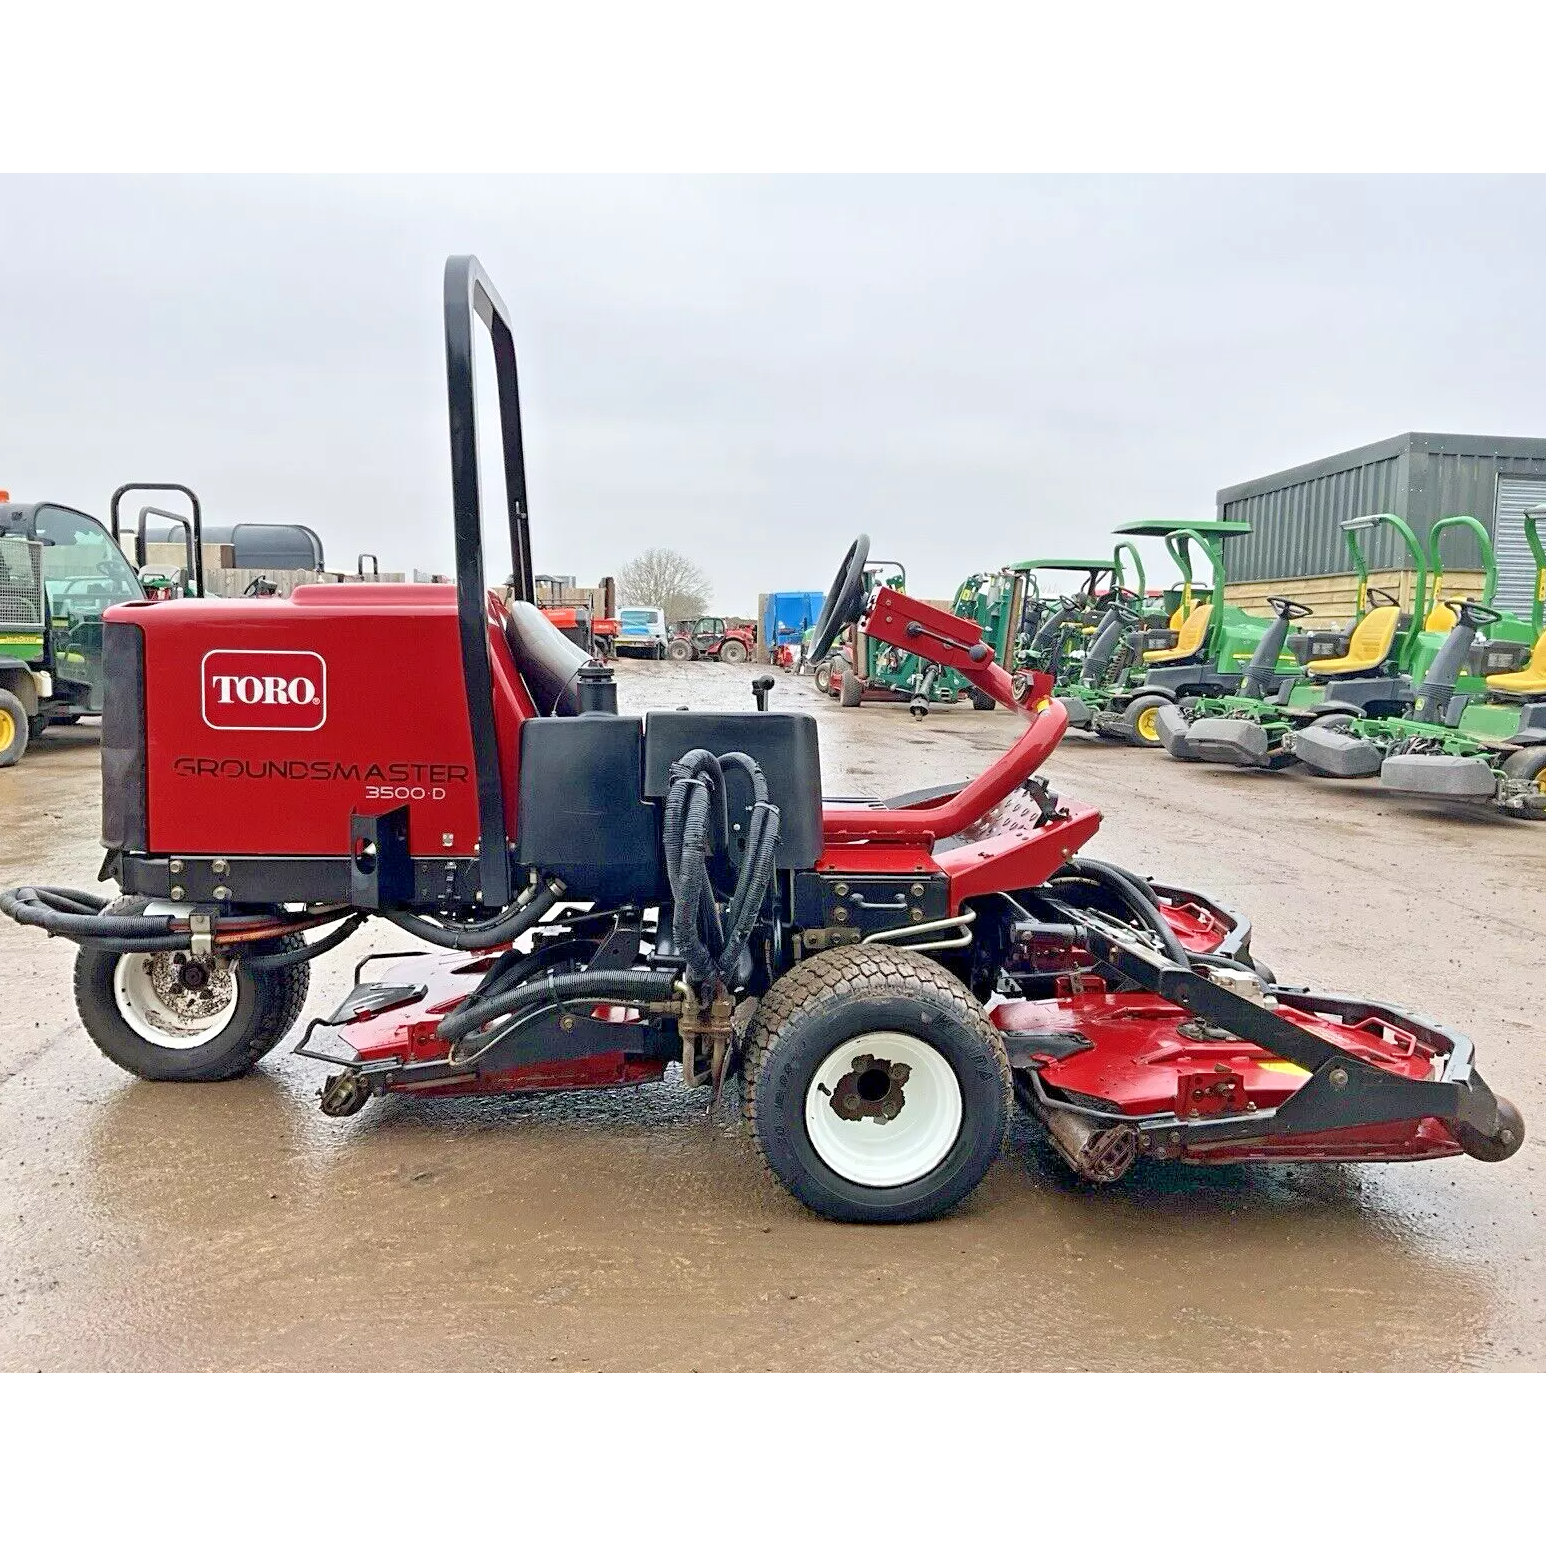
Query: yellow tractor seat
x=1367 y=649
x=1440 y=618
x=1191 y=635
x=1529 y=683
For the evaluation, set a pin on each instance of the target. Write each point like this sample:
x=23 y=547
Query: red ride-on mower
x=601 y=895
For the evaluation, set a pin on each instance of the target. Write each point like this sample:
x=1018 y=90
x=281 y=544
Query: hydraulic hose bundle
x=710 y=934
x=83 y=916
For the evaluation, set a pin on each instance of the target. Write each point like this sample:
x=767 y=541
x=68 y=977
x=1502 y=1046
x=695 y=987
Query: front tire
x=876 y=1087
x=15 y=731
x=980 y=700
x=153 y=1016
x=679 y=649
x=1140 y=720
x=1527 y=767
x=733 y=651
x=850 y=690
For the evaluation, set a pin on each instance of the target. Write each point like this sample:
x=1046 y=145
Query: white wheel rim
x=865 y=1146
x=159 y=1008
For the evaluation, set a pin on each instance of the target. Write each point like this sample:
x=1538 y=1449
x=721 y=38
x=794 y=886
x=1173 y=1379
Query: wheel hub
x=871 y=1088
x=883 y=1108
x=176 y=999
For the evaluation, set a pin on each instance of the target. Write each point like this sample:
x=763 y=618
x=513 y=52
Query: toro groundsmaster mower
x=601 y=895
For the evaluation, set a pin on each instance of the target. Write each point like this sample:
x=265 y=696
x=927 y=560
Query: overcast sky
x=973 y=371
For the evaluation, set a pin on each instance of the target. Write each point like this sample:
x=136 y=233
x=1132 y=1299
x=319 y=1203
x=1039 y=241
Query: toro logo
x=264 y=690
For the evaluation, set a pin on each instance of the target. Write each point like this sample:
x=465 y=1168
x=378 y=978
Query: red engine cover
x=269 y=722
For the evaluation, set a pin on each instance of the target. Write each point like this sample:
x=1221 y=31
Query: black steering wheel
x=1381 y=597
x=1472 y=614
x=844 y=603
x=1287 y=608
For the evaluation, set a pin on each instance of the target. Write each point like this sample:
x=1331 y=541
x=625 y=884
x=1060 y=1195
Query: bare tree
x=664 y=578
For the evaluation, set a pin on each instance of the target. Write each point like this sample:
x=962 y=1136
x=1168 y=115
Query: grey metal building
x=1296 y=515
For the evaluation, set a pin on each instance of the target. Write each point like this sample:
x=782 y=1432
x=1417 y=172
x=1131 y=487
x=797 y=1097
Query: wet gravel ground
x=233 y=1226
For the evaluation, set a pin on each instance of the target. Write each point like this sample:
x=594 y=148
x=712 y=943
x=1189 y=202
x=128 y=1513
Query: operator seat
x=1190 y=638
x=1367 y=650
x=1440 y=618
x=1529 y=683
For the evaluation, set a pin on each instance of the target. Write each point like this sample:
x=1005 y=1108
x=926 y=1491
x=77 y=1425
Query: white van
x=641 y=631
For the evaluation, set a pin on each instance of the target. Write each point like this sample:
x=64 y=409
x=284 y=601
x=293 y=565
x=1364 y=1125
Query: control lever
x=977 y=653
x=761 y=687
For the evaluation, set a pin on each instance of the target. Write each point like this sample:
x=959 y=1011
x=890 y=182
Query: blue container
x=787 y=614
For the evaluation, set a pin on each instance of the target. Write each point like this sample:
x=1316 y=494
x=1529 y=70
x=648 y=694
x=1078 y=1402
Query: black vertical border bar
x=468 y=292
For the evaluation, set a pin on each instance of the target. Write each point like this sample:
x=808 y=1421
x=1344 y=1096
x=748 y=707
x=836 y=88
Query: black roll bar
x=142 y=545
x=375 y=566
x=192 y=524
x=469 y=292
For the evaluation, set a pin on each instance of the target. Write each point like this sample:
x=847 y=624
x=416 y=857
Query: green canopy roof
x=1168 y=528
x=1085 y=564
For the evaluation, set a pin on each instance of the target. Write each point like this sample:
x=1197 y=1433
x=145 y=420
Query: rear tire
x=15 y=731
x=679 y=649
x=851 y=690
x=733 y=651
x=1140 y=720
x=1527 y=766
x=877 y=1089
x=142 y=1019
x=980 y=700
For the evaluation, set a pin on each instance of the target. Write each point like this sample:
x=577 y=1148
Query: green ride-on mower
x=1441 y=659
x=873 y=671
x=602 y=897
x=1111 y=630
x=1062 y=626
x=1203 y=650
x=1341 y=674
x=1006 y=604
x=1495 y=752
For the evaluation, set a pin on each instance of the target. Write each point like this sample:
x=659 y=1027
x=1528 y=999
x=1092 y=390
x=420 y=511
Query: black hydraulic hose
x=508 y=926
x=554 y=989
x=696 y=792
x=277 y=960
x=1138 y=895
x=757 y=865
x=68 y=913
x=82 y=916
x=710 y=940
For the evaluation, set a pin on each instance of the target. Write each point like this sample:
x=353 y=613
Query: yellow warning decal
x=1280 y=1066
